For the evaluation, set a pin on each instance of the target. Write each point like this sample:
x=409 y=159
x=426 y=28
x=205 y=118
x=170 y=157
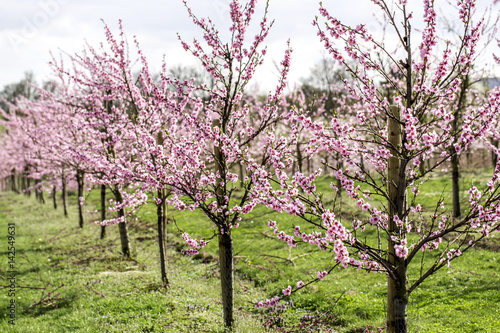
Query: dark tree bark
x=242 y=176
x=54 y=196
x=122 y=227
x=28 y=185
x=103 y=210
x=455 y=158
x=227 y=277
x=225 y=241
x=40 y=196
x=64 y=195
x=299 y=157
x=37 y=193
x=421 y=166
x=161 y=213
x=455 y=178
x=80 y=179
x=494 y=157
x=242 y=172
x=340 y=165
x=13 y=186
x=397 y=286
x=24 y=185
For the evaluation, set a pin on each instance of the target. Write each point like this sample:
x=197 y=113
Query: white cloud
x=44 y=25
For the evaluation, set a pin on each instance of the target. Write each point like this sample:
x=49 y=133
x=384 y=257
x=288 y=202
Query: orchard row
x=399 y=114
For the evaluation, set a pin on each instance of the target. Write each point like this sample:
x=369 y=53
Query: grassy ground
x=95 y=290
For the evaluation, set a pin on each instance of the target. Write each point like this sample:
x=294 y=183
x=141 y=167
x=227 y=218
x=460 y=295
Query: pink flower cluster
x=193 y=243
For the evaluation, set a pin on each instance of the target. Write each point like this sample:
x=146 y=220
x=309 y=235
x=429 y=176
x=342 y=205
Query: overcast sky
x=29 y=29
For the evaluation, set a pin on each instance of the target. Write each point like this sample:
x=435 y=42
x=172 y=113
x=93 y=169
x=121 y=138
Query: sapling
x=393 y=132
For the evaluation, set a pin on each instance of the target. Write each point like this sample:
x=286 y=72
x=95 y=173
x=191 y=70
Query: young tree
x=19 y=178
x=394 y=131
x=217 y=132
x=55 y=130
x=105 y=124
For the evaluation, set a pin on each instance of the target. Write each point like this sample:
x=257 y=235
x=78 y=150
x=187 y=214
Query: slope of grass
x=102 y=292
x=98 y=290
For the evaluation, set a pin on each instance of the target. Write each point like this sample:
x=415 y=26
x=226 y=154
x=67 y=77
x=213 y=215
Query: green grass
x=134 y=300
x=462 y=298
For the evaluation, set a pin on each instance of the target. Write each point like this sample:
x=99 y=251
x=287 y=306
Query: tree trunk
x=225 y=239
x=80 y=179
x=242 y=174
x=455 y=178
x=54 y=197
x=23 y=184
x=103 y=210
x=124 y=239
x=122 y=227
x=397 y=299
x=226 y=278
x=299 y=157
x=455 y=158
x=40 y=196
x=28 y=185
x=13 y=186
x=397 y=289
x=161 y=213
x=421 y=166
x=39 y=192
x=64 y=195
x=494 y=157
x=340 y=165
